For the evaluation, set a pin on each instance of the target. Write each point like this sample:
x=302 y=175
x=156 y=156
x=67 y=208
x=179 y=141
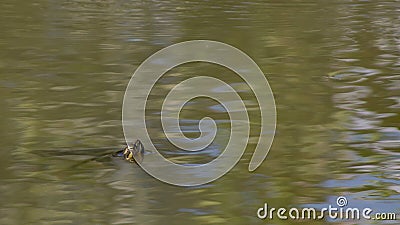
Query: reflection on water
x=333 y=66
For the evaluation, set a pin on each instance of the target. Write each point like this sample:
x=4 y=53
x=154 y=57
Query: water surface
x=333 y=66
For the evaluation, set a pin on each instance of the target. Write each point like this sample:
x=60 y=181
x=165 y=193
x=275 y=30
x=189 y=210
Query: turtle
x=132 y=153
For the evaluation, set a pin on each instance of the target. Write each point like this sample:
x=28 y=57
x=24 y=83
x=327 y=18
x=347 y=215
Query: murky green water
x=333 y=66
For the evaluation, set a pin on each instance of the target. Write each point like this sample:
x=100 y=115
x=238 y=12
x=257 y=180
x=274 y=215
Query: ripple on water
x=353 y=74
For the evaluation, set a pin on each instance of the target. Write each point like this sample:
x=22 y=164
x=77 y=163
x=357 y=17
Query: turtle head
x=134 y=152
